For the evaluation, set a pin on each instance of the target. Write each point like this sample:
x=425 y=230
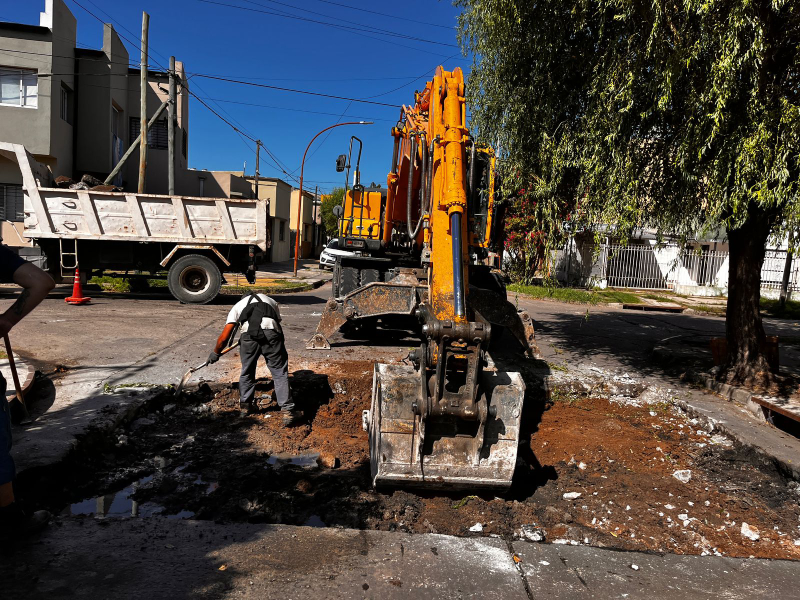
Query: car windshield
x=333 y=244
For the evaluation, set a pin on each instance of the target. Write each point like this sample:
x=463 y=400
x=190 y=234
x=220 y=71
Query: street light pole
x=300 y=197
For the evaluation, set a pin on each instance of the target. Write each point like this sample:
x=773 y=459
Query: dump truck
x=195 y=240
x=451 y=418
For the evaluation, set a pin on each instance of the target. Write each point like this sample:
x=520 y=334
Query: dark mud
x=200 y=458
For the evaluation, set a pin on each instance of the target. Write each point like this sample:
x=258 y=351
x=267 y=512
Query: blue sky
x=215 y=38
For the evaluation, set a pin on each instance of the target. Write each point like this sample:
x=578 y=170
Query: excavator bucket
x=442 y=452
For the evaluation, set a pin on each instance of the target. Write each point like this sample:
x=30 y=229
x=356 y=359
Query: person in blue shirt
x=35 y=284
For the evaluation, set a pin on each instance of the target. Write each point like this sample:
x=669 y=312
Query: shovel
x=20 y=398
x=188 y=374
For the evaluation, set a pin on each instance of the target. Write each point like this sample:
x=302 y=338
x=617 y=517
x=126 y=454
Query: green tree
x=329 y=220
x=679 y=116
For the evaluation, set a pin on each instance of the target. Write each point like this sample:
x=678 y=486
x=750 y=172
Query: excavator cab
x=360 y=222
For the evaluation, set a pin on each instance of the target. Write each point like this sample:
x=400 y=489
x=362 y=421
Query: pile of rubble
x=87 y=182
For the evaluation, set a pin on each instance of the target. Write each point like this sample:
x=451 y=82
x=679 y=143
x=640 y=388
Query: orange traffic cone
x=77 y=291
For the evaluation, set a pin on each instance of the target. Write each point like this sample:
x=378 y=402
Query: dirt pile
x=593 y=471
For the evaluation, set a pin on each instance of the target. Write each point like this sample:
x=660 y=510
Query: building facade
x=307 y=225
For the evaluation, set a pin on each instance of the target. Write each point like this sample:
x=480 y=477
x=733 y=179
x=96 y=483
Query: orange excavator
x=450 y=418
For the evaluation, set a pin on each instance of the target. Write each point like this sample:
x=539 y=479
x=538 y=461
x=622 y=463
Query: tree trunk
x=744 y=330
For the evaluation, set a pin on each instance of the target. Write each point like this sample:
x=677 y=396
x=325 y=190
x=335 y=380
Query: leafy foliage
x=679 y=116
x=329 y=220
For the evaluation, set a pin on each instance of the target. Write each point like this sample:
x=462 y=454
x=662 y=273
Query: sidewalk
x=160 y=558
x=307 y=268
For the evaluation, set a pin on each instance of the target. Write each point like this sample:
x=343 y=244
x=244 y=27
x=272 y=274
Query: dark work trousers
x=7 y=470
x=274 y=352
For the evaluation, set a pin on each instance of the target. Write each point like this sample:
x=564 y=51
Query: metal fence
x=645 y=266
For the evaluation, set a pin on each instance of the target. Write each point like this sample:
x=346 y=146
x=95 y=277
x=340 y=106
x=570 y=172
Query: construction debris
x=751 y=533
x=683 y=475
x=629 y=498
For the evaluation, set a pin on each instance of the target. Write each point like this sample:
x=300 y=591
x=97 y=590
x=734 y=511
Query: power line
x=395 y=17
x=361 y=32
x=284 y=89
x=410 y=77
x=313 y=112
x=239 y=130
x=352 y=24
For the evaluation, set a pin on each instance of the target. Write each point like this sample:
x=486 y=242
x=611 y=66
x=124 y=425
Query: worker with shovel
x=36 y=284
x=259 y=317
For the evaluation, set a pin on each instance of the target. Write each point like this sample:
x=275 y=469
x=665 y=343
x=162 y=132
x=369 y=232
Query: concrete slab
x=556 y=571
x=160 y=558
x=25 y=372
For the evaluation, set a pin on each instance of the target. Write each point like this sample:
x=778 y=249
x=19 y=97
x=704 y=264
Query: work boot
x=291 y=417
x=247 y=408
x=16 y=524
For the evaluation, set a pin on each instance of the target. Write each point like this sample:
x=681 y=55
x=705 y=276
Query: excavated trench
x=590 y=471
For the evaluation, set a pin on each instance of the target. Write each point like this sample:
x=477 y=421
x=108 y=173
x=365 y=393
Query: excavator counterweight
x=450 y=418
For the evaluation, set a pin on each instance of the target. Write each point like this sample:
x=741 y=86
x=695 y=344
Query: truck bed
x=52 y=212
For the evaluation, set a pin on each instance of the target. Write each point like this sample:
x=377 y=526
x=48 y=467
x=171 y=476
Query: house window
x=282 y=231
x=18 y=87
x=11 y=203
x=307 y=233
x=156 y=135
x=185 y=148
x=66 y=104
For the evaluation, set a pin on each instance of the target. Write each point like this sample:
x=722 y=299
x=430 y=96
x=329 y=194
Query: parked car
x=327 y=259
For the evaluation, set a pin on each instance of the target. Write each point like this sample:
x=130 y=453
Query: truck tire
x=370 y=276
x=194 y=279
x=349 y=281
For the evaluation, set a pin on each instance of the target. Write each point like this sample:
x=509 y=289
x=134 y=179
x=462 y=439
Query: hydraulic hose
x=412 y=233
x=473 y=171
x=429 y=186
x=394 y=155
x=458 y=272
x=423 y=179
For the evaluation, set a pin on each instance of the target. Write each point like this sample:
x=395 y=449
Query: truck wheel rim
x=195 y=280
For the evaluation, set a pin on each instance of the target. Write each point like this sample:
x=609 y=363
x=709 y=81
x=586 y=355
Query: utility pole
x=258 y=161
x=787 y=272
x=314 y=239
x=171 y=127
x=143 y=102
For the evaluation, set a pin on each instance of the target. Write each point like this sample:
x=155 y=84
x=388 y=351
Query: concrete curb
x=306 y=286
x=35 y=455
x=744 y=398
x=25 y=372
x=729 y=392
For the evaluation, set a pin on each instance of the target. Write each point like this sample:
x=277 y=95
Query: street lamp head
x=366 y=122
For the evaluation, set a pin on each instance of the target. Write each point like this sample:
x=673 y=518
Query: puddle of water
x=210 y=487
x=120 y=504
x=314 y=521
x=300 y=460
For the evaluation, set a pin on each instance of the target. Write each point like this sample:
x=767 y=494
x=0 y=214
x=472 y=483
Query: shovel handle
x=14 y=373
x=225 y=351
